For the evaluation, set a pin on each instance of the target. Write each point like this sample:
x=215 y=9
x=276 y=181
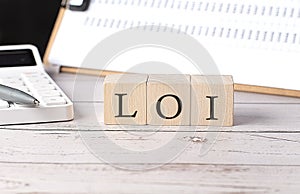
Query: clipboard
x=274 y=89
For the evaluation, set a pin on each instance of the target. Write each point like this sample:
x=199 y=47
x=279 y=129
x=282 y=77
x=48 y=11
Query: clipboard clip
x=76 y=5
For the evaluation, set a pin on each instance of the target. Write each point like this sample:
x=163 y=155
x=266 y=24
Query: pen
x=14 y=95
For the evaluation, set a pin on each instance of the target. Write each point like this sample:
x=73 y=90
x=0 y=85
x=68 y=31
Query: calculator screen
x=16 y=58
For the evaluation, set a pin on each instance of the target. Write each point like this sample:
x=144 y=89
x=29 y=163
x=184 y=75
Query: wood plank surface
x=259 y=154
x=183 y=147
x=174 y=178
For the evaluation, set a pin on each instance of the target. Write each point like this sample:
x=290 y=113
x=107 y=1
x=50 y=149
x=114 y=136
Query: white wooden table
x=260 y=154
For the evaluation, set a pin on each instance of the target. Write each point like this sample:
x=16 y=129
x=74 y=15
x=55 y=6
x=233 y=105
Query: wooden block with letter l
x=212 y=100
x=125 y=99
x=168 y=100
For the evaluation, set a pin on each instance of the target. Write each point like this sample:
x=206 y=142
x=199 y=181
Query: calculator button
x=13 y=82
x=44 y=87
x=49 y=93
x=39 y=81
x=11 y=78
x=54 y=101
x=42 y=82
x=31 y=74
x=37 y=77
x=3 y=104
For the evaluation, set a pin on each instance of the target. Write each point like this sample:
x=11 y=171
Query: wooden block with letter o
x=125 y=99
x=212 y=100
x=168 y=100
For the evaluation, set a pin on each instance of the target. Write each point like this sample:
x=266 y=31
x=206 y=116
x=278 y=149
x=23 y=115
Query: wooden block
x=168 y=100
x=212 y=100
x=125 y=99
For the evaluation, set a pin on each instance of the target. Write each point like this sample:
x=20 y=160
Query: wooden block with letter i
x=168 y=100
x=125 y=99
x=212 y=100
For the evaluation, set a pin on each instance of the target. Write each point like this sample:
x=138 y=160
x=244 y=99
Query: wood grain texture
x=168 y=100
x=85 y=71
x=266 y=90
x=53 y=35
x=211 y=100
x=182 y=147
x=125 y=99
x=173 y=178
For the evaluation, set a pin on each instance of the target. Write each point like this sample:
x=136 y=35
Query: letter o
x=158 y=106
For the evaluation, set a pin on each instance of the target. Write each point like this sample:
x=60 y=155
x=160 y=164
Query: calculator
x=21 y=67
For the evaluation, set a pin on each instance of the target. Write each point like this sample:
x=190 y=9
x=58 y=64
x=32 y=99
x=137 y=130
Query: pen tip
x=36 y=102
